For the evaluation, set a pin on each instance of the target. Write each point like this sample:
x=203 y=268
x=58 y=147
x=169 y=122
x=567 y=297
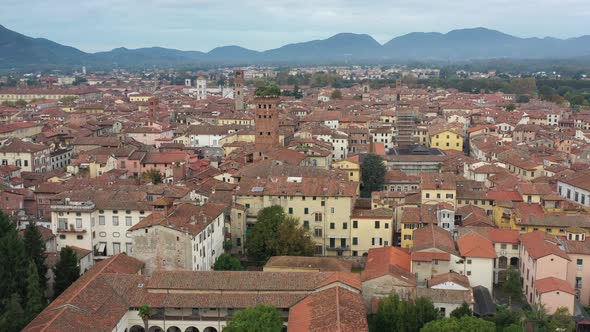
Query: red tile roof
x=541 y=244
x=335 y=309
x=475 y=245
x=551 y=284
x=381 y=260
x=427 y=256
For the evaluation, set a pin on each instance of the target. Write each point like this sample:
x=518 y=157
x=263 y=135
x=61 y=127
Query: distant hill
x=18 y=51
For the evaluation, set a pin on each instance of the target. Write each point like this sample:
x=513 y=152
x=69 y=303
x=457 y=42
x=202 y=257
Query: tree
x=537 y=315
x=145 y=313
x=463 y=310
x=35 y=250
x=512 y=285
x=562 y=321
x=394 y=314
x=13 y=261
x=262 y=318
x=372 y=174
x=269 y=90
x=521 y=99
x=463 y=324
x=510 y=107
x=66 y=270
x=13 y=318
x=226 y=262
x=154 y=175
x=336 y=94
x=35 y=298
x=227 y=245
x=507 y=319
x=276 y=234
x=293 y=240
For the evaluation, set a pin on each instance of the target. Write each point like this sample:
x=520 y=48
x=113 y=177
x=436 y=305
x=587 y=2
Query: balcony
x=337 y=248
x=68 y=206
x=71 y=230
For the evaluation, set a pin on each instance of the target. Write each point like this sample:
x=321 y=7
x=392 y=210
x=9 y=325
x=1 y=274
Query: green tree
x=372 y=174
x=512 y=285
x=463 y=324
x=145 y=313
x=510 y=107
x=336 y=94
x=293 y=240
x=276 y=234
x=562 y=321
x=537 y=315
x=227 y=245
x=35 y=298
x=13 y=318
x=226 y=262
x=269 y=90
x=154 y=175
x=505 y=318
x=262 y=318
x=394 y=314
x=463 y=310
x=21 y=103
x=35 y=249
x=66 y=270
x=13 y=261
x=521 y=99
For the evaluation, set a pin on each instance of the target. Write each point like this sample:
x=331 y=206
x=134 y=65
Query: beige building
x=371 y=229
x=29 y=157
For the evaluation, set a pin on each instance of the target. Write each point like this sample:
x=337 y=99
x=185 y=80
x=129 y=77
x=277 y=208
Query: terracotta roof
x=445 y=295
x=90 y=303
x=428 y=256
x=541 y=244
x=552 y=284
x=322 y=264
x=475 y=245
x=186 y=218
x=453 y=277
x=335 y=309
x=380 y=260
x=432 y=236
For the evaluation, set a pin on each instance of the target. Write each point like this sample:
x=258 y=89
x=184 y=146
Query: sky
x=201 y=25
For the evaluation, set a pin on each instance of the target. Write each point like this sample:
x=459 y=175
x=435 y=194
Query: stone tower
x=267 y=123
x=201 y=88
x=153 y=108
x=239 y=89
x=398 y=89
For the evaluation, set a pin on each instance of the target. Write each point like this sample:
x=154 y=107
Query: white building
x=201 y=86
x=576 y=188
x=478 y=259
x=181 y=237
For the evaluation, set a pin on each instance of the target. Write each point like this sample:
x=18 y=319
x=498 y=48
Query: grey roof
x=484 y=304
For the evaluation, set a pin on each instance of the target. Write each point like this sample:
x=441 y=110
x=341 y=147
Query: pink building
x=578 y=271
x=543 y=269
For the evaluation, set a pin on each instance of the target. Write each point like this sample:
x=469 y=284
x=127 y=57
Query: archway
x=137 y=328
x=210 y=329
x=155 y=329
x=503 y=262
x=191 y=329
x=173 y=329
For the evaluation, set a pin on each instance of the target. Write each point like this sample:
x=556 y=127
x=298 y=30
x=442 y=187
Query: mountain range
x=18 y=51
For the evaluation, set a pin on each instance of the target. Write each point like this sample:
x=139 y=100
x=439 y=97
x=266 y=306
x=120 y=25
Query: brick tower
x=239 y=89
x=267 y=123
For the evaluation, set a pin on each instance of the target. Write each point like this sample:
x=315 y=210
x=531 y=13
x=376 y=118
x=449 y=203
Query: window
x=386 y=225
x=503 y=245
x=128 y=247
x=427 y=195
x=579 y=261
x=80 y=237
x=355 y=224
x=116 y=248
x=318 y=217
x=449 y=196
x=407 y=237
x=468 y=273
x=332 y=225
x=290 y=210
x=515 y=247
x=115 y=221
x=578 y=282
x=101 y=220
x=317 y=232
x=344 y=225
x=377 y=224
x=332 y=210
x=238 y=242
x=78 y=222
x=469 y=261
x=355 y=240
x=128 y=221
x=306 y=224
x=306 y=211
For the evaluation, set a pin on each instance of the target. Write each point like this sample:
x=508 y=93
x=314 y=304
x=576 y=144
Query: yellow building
x=139 y=98
x=438 y=188
x=371 y=229
x=352 y=168
x=446 y=139
x=414 y=218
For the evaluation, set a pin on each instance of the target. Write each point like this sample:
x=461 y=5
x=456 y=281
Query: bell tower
x=239 y=89
x=267 y=123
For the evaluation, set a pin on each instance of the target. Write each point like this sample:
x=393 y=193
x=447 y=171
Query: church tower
x=239 y=89
x=267 y=123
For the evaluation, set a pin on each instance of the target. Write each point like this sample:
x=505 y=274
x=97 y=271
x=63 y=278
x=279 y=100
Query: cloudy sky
x=99 y=25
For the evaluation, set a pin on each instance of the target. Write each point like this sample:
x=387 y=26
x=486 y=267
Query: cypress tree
x=35 y=249
x=13 y=262
x=34 y=304
x=66 y=270
x=13 y=319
